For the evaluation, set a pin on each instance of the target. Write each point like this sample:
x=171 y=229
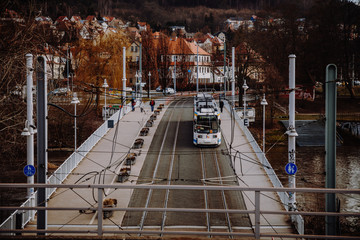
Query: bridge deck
x=249 y=171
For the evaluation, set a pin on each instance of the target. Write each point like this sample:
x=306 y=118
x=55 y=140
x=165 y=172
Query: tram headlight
x=200 y=136
x=215 y=136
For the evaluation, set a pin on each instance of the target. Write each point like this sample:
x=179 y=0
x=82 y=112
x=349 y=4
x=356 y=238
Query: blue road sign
x=29 y=170
x=291 y=168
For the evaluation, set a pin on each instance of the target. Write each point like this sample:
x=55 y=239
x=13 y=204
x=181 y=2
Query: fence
x=284 y=197
x=98 y=228
x=64 y=170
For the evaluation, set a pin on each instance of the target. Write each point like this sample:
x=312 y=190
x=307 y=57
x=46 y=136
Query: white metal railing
x=98 y=228
x=284 y=197
x=65 y=169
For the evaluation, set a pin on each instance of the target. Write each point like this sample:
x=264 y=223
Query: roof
x=181 y=46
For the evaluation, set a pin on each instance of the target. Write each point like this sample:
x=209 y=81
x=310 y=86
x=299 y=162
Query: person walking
x=133 y=104
x=152 y=104
x=221 y=105
x=141 y=106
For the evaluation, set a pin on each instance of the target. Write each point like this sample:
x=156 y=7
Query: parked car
x=169 y=91
x=356 y=82
x=158 y=89
x=129 y=89
x=60 y=91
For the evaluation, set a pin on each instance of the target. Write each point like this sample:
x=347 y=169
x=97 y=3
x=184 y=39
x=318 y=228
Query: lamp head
x=75 y=99
x=105 y=85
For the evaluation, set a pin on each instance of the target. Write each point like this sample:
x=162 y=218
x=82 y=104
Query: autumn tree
x=101 y=58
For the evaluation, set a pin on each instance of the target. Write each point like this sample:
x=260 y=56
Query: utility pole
x=124 y=76
x=197 y=68
x=140 y=69
x=30 y=120
x=175 y=75
x=233 y=76
x=330 y=146
x=225 y=68
x=292 y=132
x=41 y=141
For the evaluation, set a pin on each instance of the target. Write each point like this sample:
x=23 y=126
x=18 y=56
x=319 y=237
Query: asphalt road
x=173 y=159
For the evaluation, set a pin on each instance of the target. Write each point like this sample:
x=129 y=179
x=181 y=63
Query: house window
x=132 y=48
x=136 y=48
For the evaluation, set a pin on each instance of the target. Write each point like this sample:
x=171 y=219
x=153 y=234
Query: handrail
x=100 y=230
x=284 y=197
x=63 y=171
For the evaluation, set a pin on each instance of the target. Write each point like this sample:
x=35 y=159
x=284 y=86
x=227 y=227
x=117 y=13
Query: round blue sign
x=29 y=170
x=291 y=168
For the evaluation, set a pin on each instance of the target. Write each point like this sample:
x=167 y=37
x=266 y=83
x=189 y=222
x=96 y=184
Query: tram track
x=170 y=163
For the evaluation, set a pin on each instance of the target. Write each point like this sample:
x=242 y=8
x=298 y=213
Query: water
x=311 y=173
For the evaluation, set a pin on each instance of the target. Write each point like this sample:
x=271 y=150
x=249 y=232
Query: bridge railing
x=98 y=210
x=65 y=169
x=284 y=197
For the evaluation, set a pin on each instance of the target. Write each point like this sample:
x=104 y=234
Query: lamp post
x=75 y=101
x=245 y=87
x=149 y=84
x=140 y=86
x=263 y=103
x=105 y=85
x=136 y=84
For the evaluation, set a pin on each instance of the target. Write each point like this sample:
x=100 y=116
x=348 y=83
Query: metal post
x=224 y=68
x=29 y=111
x=100 y=211
x=124 y=75
x=197 y=68
x=263 y=103
x=75 y=101
x=233 y=74
x=105 y=85
x=140 y=71
x=257 y=214
x=291 y=130
x=175 y=75
x=330 y=146
x=41 y=140
x=67 y=68
x=136 y=84
x=149 y=84
x=245 y=87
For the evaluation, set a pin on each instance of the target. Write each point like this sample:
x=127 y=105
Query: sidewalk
x=251 y=174
x=109 y=153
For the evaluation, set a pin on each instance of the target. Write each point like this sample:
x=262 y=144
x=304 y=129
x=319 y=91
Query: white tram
x=206 y=131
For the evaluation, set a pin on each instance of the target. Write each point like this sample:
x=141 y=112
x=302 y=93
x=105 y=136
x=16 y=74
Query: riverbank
x=311 y=166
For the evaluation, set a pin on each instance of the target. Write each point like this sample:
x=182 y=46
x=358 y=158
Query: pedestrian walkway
x=101 y=166
x=251 y=174
x=103 y=163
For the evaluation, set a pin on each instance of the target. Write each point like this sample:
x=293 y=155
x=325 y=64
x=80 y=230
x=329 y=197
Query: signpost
x=29 y=170
x=291 y=168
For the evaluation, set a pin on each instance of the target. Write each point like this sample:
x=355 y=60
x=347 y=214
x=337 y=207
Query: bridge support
x=330 y=146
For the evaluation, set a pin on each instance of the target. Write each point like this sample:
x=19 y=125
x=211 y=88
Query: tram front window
x=207 y=124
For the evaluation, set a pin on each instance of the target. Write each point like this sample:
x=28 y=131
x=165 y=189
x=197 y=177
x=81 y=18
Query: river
x=311 y=173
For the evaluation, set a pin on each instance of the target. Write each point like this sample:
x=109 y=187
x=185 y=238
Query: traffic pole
x=291 y=131
x=330 y=147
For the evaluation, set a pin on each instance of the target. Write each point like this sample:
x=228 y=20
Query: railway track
x=173 y=160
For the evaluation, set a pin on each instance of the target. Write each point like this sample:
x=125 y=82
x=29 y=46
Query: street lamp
x=245 y=87
x=140 y=86
x=149 y=84
x=75 y=101
x=263 y=103
x=136 y=84
x=105 y=85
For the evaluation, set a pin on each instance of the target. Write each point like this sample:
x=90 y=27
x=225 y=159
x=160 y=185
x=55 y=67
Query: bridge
x=156 y=183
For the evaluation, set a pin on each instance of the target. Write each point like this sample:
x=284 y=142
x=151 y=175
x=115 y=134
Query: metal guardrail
x=257 y=212
x=284 y=197
x=65 y=169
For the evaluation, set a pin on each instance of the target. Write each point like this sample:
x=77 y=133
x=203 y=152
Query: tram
x=206 y=130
